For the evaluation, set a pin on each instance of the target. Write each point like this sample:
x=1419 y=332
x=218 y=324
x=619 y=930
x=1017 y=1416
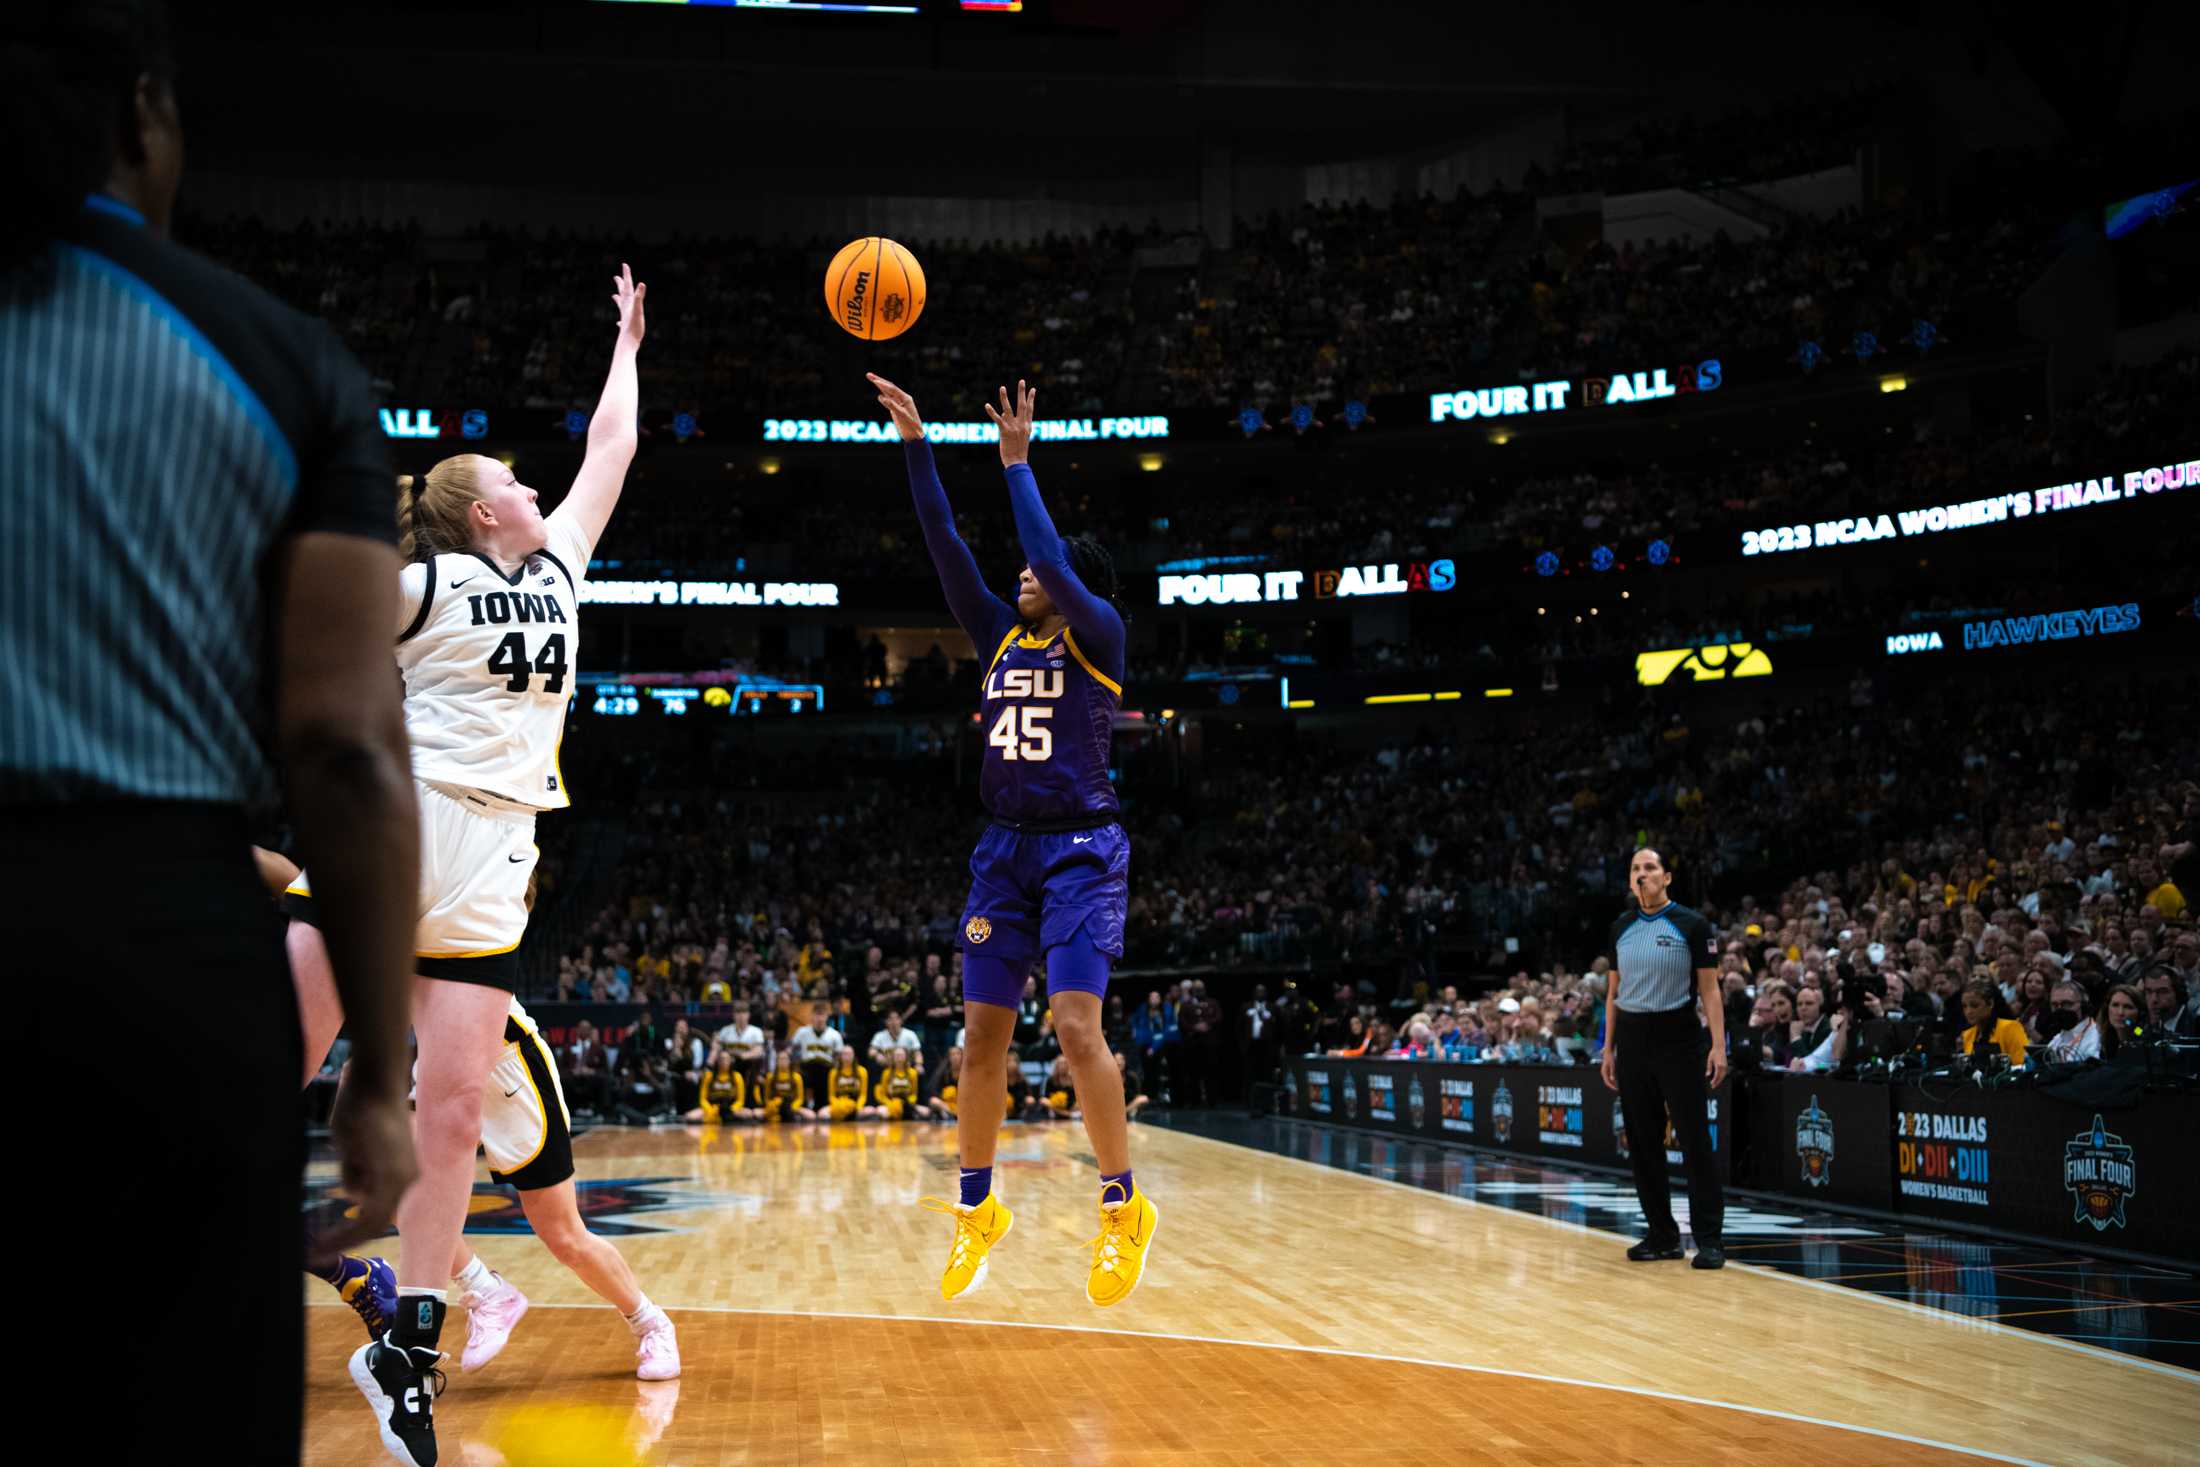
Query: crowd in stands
x=1906 y=853
x=1318 y=306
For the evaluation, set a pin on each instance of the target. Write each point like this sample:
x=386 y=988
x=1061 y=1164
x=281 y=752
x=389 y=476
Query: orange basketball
x=874 y=288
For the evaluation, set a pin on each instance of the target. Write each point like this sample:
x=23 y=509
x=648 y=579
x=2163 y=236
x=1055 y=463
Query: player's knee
x=1080 y=1034
x=563 y=1236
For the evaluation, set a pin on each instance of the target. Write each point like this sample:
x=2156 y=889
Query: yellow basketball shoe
x=1119 y=1253
x=977 y=1229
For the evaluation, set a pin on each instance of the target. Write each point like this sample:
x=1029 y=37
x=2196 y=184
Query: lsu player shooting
x=1050 y=878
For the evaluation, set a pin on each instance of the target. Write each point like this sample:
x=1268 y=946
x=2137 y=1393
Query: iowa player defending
x=488 y=640
x=1050 y=879
x=1663 y=961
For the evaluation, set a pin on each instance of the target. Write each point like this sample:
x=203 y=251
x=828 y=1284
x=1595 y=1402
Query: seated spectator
x=1811 y=1027
x=895 y=1037
x=1061 y=1090
x=723 y=1095
x=2167 y=1017
x=1990 y=1023
x=1357 y=1035
x=2072 y=1034
x=2121 y=1010
x=848 y=1088
x=944 y=1086
x=1763 y=1042
x=745 y=1041
x=1134 y=1100
x=587 y=1071
x=898 y=1086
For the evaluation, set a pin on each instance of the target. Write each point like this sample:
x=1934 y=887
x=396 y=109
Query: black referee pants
x=1660 y=1070
x=145 y=940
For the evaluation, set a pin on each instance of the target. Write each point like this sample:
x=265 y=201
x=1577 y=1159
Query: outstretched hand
x=628 y=297
x=900 y=406
x=1015 y=425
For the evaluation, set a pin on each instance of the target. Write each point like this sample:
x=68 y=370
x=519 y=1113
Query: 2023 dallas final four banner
x=1558 y=1112
x=2016 y=1161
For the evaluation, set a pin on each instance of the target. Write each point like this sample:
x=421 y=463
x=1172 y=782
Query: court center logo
x=1416 y=1102
x=978 y=929
x=2100 y=1173
x=1501 y=1113
x=1814 y=1144
x=1351 y=1098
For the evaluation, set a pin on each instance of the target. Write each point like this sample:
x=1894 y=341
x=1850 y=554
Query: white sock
x=643 y=1318
x=475 y=1278
x=407 y=1292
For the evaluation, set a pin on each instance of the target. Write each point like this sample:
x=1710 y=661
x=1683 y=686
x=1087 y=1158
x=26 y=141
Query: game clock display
x=749 y=697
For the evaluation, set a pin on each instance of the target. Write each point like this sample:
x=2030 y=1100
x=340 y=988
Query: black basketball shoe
x=1655 y=1250
x=401 y=1385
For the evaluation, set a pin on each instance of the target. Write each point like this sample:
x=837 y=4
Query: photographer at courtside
x=1663 y=960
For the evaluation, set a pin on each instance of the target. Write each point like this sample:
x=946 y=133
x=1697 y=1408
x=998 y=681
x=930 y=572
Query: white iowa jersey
x=489 y=660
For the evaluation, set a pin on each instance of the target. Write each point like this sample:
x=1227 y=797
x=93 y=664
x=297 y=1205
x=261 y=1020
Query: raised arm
x=612 y=434
x=985 y=616
x=1099 y=626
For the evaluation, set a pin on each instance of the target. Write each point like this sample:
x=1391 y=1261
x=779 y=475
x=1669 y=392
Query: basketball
x=874 y=288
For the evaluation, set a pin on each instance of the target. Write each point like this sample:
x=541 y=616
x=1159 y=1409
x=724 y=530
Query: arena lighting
x=1150 y=463
x=1045 y=430
x=1375 y=698
x=1992 y=510
x=767 y=465
x=1300 y=703
x=1497 y=692
x=710 y=593
x=1894 y=384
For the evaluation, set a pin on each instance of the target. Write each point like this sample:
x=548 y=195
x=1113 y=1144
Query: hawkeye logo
x=1702 y=664
x=1501 y=1113
x=2098 y=1171
x=1814 y=1144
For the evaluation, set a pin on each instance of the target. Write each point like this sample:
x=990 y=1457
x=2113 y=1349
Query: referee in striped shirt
x=1663 y=961
x=198 y=585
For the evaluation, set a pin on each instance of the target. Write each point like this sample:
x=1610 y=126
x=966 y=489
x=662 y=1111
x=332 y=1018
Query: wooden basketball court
x=1295 y=1314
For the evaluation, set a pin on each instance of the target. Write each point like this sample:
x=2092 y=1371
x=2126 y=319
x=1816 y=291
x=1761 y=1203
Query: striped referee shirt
x=1658 y=953
x=163 y=425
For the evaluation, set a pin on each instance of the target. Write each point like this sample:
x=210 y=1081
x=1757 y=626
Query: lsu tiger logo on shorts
x=978 y=929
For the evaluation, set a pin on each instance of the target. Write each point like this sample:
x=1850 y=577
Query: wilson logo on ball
x=874 y=289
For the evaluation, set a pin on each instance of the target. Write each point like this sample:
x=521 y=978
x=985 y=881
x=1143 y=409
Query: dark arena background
x=1524 y=437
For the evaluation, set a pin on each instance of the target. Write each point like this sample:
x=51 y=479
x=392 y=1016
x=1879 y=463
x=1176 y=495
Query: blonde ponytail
x=433 y=509
x=408 y=485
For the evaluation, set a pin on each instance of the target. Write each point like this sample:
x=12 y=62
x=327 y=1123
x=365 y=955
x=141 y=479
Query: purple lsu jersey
x=1049 y=715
